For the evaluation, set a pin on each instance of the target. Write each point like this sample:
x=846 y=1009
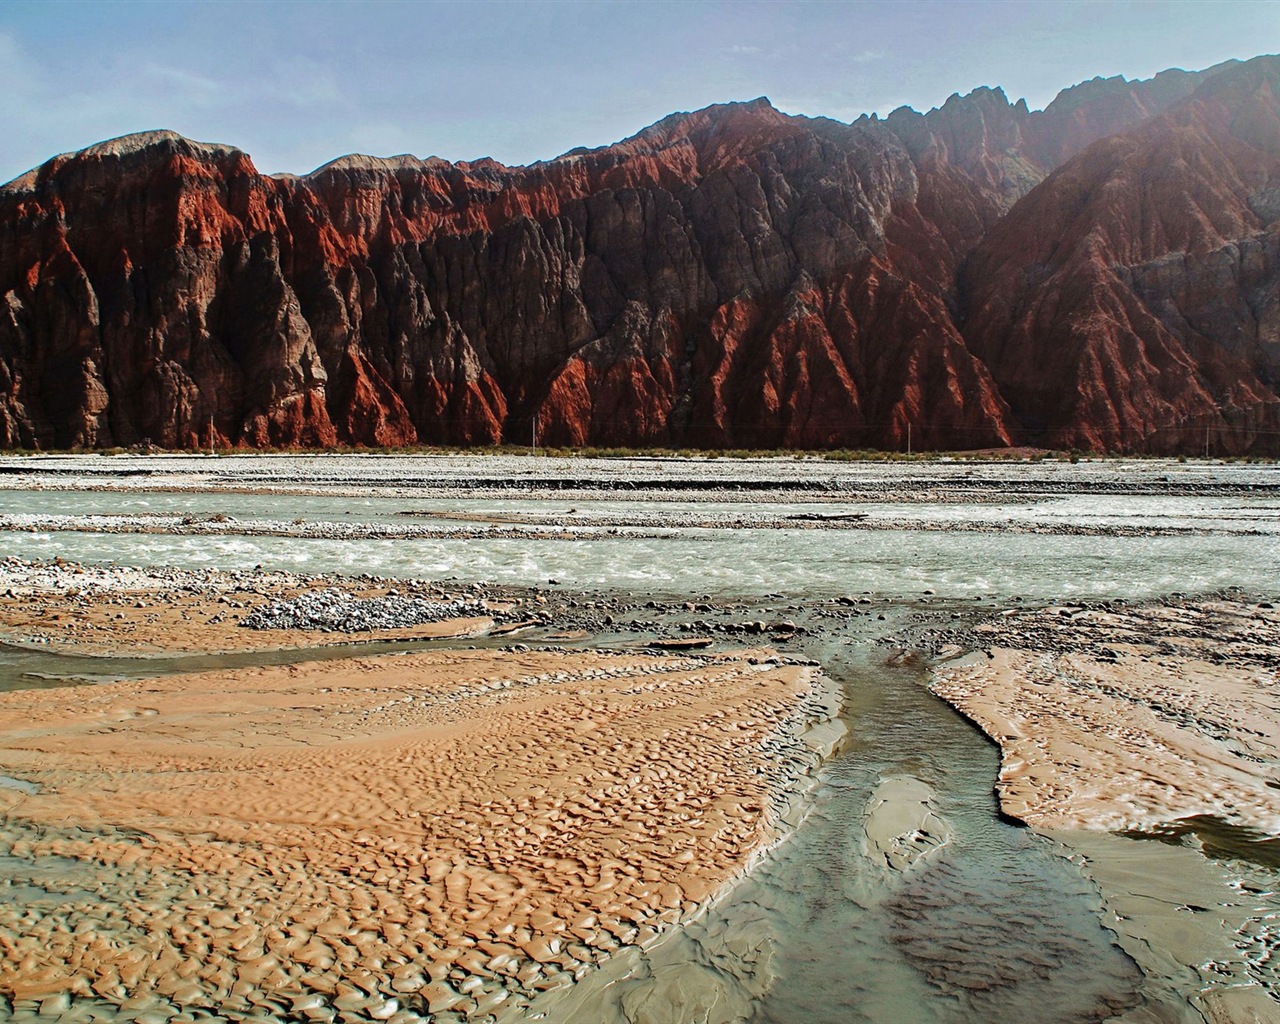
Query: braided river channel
x=999 y=926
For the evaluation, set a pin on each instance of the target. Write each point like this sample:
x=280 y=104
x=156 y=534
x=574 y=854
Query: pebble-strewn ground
x=93 y=609
x=574 y=527
x=382 y=838
x=640 y=478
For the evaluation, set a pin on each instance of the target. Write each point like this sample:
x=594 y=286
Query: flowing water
x=997 y=926
x=1238 y=544
x=996 y=929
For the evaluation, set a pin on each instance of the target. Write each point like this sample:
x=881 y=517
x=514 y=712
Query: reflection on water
x=1216 y=838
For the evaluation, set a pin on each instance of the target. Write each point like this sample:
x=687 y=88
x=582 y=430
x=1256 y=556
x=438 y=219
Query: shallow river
x=1240 y=546
x=999 y=928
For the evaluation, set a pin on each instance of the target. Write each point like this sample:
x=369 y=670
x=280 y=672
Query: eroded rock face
x=1130 y=301
x=737 y=277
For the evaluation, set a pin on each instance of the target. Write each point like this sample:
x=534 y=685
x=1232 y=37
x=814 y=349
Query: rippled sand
x=1115 y=718
x=1127 y=718
x=382 y=838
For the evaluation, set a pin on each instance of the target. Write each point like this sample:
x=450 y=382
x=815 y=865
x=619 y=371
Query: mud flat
x=1157 y=721
x=432 y=835
x=903 y=897
x=112 y=610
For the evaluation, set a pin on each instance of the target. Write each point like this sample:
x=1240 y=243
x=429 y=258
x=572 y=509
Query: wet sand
x=1141 y=719
x=115 y=611
x=1126 y=718
x=382 y=838
x=902 y=827
x=1109 y=716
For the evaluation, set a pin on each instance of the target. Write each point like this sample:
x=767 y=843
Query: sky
x=298 y=84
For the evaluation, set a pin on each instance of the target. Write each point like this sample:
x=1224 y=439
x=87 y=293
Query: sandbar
x=115 y=611
x=444 y=833
x=1128 y=717
x=1161 y=720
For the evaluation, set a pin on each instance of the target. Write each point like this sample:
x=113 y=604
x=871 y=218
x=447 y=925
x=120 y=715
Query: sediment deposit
x=109 y=610
x=382 y=838
x=1155 y=721
x=1151 y=713
x=1112 y=717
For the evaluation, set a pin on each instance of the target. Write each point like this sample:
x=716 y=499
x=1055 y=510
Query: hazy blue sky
x=297 y=84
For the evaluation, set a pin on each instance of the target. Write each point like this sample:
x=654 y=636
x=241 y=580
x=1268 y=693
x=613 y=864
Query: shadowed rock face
x=1101 y=273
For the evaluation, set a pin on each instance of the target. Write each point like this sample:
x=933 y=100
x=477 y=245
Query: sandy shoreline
x=383 y=837
x=1126 y=718
x=1117 y=719
x=113 y=611
x=1110 y=715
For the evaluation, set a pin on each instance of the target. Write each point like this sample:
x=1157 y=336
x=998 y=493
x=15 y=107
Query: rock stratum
x=1102 y=274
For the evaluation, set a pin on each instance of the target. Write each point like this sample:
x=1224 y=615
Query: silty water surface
x=998 y=927
x=1239 y=545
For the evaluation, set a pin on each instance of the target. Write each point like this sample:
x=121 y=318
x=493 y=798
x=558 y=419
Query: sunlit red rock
x=1102 y=273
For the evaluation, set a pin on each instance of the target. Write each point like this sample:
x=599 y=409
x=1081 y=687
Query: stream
x=997 y=926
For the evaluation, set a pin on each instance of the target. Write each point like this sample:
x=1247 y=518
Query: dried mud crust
x=431 y=835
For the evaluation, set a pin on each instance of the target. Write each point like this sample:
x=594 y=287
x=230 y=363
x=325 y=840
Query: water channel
x=1000 y=927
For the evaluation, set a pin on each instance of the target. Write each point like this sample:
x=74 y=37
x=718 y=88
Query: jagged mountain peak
x=1101 y=273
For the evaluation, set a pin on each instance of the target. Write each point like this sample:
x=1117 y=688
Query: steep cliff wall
x=731 y=277
x=1133 y=299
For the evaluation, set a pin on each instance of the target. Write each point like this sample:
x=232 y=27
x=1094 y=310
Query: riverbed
x=996 y=923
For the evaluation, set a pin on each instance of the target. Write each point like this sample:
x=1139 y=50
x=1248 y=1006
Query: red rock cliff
x=731 y=277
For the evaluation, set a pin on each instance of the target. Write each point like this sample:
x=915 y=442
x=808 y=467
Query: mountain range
x=1103 y=274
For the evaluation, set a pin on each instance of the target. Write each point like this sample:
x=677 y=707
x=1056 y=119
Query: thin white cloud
x=183 y=86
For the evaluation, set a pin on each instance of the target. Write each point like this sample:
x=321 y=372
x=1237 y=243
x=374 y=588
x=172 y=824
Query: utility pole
x=908 y=438
x=210 y=433
x=1206 y=442
x=535 y=433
